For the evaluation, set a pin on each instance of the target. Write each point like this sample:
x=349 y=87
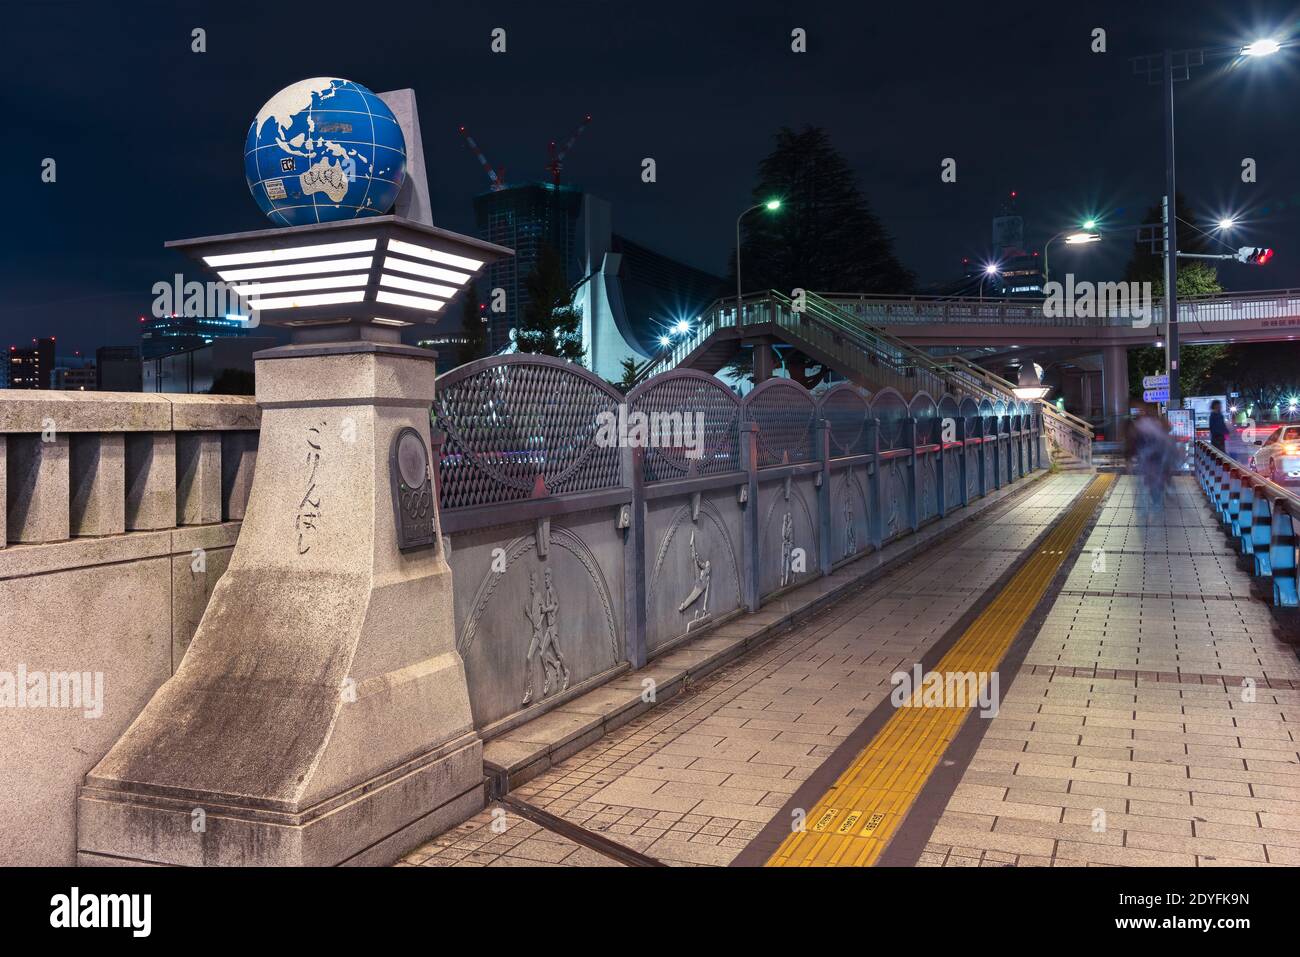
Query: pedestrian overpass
x=867 y=355
x=909 y=342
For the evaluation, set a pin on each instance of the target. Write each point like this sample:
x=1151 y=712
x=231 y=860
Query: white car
x=1278 y=459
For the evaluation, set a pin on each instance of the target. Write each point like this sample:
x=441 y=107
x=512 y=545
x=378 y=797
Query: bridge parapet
x=632 y=524
x=1279 y=306
x=120 y=512
x=93 y=464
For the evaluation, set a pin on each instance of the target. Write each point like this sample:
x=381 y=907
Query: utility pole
x=1170 y=220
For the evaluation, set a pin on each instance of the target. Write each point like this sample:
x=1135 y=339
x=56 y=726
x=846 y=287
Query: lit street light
x=990 y=270
x=1087 y=234
x=1261 y=47
x=1029 y=384
x=1166 y=68
x=771 y=204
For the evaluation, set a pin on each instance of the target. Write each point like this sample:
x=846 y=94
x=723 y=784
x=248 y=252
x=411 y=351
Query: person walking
x=1218 y=427
x=1155 y=457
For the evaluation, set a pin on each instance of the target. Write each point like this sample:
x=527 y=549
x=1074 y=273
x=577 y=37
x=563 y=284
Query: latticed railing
x=784 y=411
x=679 y=405
x=525 y=427
x=862 y=351
x=845 y=409
x=520 y=426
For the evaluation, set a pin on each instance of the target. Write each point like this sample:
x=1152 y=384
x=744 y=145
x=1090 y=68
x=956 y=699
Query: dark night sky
x=148 y=136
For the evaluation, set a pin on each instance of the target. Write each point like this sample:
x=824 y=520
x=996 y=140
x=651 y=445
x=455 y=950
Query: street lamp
x=990 y=270
x=1162 y=68
x=1261 y=47
x=1073 y=237
x=1227 y=223
x=1029 y=386
x=771 y=205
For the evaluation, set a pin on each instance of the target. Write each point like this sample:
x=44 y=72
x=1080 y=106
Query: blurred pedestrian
x=1155 y=453
x=1218 y=427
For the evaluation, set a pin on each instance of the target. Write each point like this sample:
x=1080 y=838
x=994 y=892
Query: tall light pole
x=992 y=269
x=770 y=204
x=1171 y=66
x=1073 y=237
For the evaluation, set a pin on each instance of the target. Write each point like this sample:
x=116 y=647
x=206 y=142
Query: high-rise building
x=524 y=218
x=31 y=368
x=202 y=369
x=75 y=380
x=451 y=350
x=170 y=334
x=117 y=369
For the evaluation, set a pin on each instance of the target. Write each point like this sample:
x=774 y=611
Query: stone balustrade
x=120 y=511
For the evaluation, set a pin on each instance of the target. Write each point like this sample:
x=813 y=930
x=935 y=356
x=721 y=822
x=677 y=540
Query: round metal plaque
x=412 y=459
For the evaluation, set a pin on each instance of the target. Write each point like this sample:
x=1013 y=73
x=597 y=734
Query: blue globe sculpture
x=324 y=150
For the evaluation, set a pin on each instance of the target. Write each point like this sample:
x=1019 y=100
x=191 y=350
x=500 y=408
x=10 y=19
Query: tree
x=551 y=325
x=1197 y=364
x=628 y=382
x=1194 y=279
x=824 y=237
x=1265 y=373
x=1148 y=266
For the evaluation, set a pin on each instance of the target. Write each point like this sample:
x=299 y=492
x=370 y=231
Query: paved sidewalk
x=1129 y=736
x=1129 y=702
x=695 y=779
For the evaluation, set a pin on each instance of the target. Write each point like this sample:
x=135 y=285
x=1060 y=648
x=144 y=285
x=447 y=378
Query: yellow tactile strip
x=851 y=824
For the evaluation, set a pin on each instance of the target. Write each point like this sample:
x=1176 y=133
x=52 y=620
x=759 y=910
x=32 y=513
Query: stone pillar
x=198 y=478
x=150 y=481
x=762 y=362
x=751 y=589
x=98 y=479
x=1115 y=390
x=4 y=495
x=37 y=495
x=321 y=714
x=238 y=456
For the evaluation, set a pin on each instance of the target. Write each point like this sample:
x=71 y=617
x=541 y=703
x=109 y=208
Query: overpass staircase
x=864 y=354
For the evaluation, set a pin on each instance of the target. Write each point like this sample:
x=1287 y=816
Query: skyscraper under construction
x=523 y=218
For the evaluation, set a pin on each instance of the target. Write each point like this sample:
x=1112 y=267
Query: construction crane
x=497 y=177
x=556 y=159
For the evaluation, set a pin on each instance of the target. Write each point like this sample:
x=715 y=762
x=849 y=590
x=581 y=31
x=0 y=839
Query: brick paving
x=1154 y=721
x=1129 y=703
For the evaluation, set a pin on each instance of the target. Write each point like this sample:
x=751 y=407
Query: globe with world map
x=323 y=150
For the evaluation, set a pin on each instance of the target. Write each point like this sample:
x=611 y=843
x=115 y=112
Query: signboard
x=1155 y=395
x=1155 y=382
x=1182 y=424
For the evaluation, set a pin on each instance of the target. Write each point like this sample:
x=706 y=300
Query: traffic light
x=1255 y=255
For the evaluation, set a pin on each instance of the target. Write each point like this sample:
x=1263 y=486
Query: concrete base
x=320 y=715
x=373 y=823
